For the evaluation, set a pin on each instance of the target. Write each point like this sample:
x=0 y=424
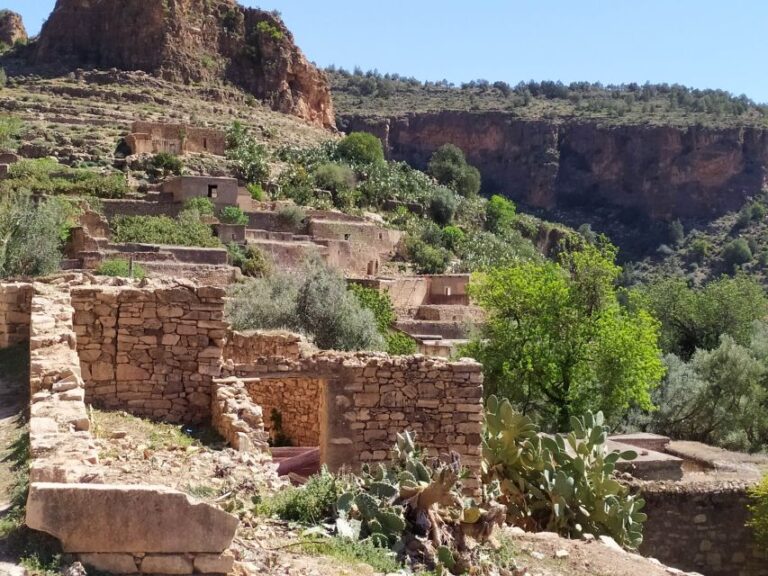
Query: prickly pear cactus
x=559 y=483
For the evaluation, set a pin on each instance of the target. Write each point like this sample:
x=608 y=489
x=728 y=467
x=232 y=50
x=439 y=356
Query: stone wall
x=150 y=351
x=251 y=346
x=104 y=525
x=154 y=137
x=15 y=309
x=221 y=191
x=702 y=528
x=237 y=418
x=366 y=399
x=299 y=403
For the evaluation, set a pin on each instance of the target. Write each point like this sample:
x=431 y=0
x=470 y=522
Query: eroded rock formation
x=663 y=172
x=11 y=28
x=189 y=41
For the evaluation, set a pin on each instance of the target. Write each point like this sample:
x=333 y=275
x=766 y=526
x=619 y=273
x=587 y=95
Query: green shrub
x=10 y=130
x=256 y=191
x=203 y=205
x=453 y=238
x=120 y=268
x=736 y=253
x=310 y=504
x=361 y=148
x=291 y=217
x=759 y=511
x=354 y=552
x=700 y=249
x=267 y=303
x=269 y=30
x=186 y=230
x=380 y=305
x=339 y=180
x=296 y=184
x=165 y=164
x=250 y=260
x=247 y=156
x=483 y=251
x=3 y=77
x=442 y=206
x=315 y=302
x=233 y=215
x=31 y=234
x=48 y=176
x=427 y=259
x=499 y=214
x=400 y=344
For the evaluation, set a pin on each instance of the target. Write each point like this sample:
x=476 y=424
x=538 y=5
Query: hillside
x=626 y=160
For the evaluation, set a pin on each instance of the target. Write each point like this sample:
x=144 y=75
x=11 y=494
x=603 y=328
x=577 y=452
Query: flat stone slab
x=111 y=518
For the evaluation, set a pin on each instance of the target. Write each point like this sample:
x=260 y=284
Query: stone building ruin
x=163 y=351
x=176 y=139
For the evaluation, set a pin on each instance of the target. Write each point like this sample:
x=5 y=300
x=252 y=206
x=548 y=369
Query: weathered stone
x=171 y=564
x=150 y=519
x=114 y=563
x=214 y=564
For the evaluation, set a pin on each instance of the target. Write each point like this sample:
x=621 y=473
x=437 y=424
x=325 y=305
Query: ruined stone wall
x=113 y=208
x=297 y=401
x=702 y=528
x=237 y=418
x=449 y=289
x=152 y=352
x=15 y=307
x=176 y=139
x=369 y=242
x=368 y=398
x=249 y=347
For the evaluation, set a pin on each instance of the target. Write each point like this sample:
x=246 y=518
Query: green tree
x=449 y=167
x=233 y=215
x=362 y=148
x=557 y=342
x=499 y=214
x=695 y=318
x=442 y=206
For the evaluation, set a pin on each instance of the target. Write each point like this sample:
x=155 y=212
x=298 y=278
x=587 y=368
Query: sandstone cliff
x=189 y=41
x=11 y=28
x=663 y=172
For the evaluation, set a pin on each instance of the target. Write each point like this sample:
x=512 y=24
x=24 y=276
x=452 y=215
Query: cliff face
x=189 y=41
x=663 y=172
x=11 y=28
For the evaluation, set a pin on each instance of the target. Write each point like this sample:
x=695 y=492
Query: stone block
x=214 y=564
x=114 y=563
x=106 y=518
x=167 y=564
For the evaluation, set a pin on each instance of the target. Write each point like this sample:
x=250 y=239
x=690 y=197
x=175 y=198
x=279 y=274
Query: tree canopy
x=557 y=342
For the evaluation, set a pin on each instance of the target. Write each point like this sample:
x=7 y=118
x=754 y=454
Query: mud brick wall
x=299 y=403
x=702 y=528
x=152 y=352
x=15 y=307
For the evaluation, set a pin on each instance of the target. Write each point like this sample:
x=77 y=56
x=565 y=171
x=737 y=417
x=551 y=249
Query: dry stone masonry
x=151 y=351
x=15 y=301
x=105 y=524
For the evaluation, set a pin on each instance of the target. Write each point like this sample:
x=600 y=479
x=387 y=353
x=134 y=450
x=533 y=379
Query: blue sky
x=700 y=43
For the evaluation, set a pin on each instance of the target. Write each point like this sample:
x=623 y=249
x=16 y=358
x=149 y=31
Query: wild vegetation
x=376 y=93
x=414 y=505
x=314 y=301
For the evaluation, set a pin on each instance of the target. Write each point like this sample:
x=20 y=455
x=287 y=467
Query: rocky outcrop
x=190 y=41
x=11 y=28
x=662 y=172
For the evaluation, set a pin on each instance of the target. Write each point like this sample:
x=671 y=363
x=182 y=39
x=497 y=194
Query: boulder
x=108 y=518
